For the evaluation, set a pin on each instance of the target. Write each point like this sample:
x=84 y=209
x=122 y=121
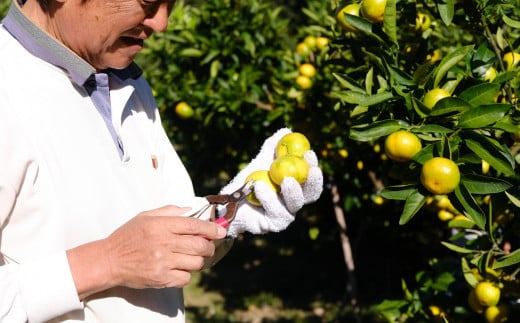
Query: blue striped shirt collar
x=44 y=46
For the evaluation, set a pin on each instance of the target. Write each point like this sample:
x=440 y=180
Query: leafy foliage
x=236 y=63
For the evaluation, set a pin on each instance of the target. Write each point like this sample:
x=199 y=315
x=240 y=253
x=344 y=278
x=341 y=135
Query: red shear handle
x=223 y=222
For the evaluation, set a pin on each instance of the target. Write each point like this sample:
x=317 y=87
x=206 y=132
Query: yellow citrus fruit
x=440 y=175
x=260 y=175
x=402 y=145
x=444 y=215
x=289 y=166
x=351 y=9
x=433 y=96
x=474 y=304
x=373 y=10
x=434 y=56
x=496 y=314
x=422 y=22
x=490 y=74
x=511 y=59
x=183 y=110
x=360 y=165
x=303 y=49
x=443 y=202
x=435 y=310
x=487 y=293
x=485 y=167
x=343 y=153
x=307 y=69
x=294 y=143
x=310 y=41
x=304 y=82
x=378 y=200
x=322 y=42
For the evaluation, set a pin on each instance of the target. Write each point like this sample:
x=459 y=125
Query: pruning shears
x=230 y=202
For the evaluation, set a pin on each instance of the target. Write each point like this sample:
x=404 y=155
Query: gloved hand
x=277 y=210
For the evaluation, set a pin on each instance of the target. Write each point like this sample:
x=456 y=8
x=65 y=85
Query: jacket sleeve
x=40 y=289
x=37 y=291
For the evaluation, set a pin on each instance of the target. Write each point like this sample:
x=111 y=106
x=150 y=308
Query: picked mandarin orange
x=289 y=166
x=294 y=143
x=260 y=175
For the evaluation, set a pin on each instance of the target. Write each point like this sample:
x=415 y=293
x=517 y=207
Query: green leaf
x=412 y=205
x=375 y=130
x=359 y=23
x=210 y=56
x=469 y=276
x=511 y=22
x=401 y=77
x=363 y=99
x=447 y=11
x=483 y=116
x=479 y=184
x=348 y=83
x=389 y=22
x=369 y=81
x=514 y=197
x=398 y=192
x=454 y=247
x=458 y=223
x=508 y=260
x=463 y=201
x=191 y=52
x=449 y=106
x=449 y=61
x=443 y=281
x=506 y=125
x=480 y=94
x=432 y=128
x=497 y=156
x=423 y=73
x=390 y=309
x=483 y=56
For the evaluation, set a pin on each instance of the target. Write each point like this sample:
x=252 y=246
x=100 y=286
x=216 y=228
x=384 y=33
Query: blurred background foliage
x=362 y=253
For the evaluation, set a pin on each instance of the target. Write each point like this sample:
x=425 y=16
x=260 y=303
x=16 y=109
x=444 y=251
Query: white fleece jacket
x=62 y=184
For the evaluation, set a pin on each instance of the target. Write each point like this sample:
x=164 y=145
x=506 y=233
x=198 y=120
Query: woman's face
x=108 y=33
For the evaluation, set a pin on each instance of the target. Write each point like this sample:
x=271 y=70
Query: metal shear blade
x=231 y=202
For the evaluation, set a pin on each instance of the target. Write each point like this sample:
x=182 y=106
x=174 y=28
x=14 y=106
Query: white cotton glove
x=277 y=211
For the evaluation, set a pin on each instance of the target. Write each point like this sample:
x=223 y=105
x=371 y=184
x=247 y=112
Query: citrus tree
x=410 y=105
x=444 y=76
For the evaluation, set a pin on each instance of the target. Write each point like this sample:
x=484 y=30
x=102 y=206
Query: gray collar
x=44 y=46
